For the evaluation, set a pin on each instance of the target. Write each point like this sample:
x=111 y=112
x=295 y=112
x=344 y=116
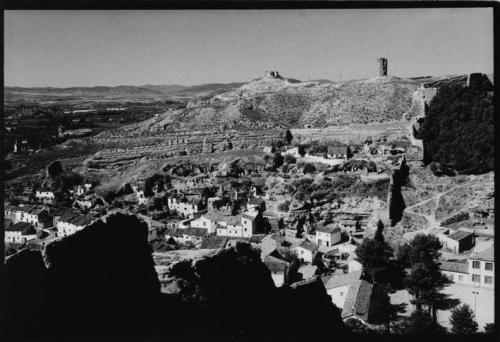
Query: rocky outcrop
x=100 y=284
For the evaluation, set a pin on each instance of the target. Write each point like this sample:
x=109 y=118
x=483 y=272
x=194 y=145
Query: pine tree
x=462 y=320
x=424 y=280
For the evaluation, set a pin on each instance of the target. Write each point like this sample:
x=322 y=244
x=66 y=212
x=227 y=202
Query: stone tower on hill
x=382 y=66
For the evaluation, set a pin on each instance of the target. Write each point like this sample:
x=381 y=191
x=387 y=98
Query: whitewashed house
x=306 y=251
x=217 y=222
x=328 y=235
x=45 y=196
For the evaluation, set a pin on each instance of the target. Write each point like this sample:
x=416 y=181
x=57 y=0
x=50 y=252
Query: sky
x=109 y=48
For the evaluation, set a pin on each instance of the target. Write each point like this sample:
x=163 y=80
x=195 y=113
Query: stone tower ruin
x=382 y=66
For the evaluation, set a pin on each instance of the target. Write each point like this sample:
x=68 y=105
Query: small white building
x=328 y=235
x=45 y=195
x=306 y=251
x=294 y=151
x=338 y=285
x=457 y=241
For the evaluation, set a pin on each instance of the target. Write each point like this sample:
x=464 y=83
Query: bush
x=309 y=168
x=289 y=159
x=284 y=206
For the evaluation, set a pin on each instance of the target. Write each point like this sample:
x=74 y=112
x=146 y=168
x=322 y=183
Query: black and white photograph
x=248 y=174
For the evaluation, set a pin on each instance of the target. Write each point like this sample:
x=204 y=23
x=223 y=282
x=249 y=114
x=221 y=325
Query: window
x=475 y=278
x=488 y=280
x=461 y=278
x=341 y=293
x=488 y=266
x=204 y=223
x=475 y=264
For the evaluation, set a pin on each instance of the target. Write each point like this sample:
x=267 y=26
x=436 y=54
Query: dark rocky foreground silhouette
x=100 y=284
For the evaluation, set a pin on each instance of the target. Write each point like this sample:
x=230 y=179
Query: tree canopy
x=458 y=130
x=462 y=320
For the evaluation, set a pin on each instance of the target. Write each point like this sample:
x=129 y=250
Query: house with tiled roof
x=337 y=152
x=19 y=232
x=306 y=251
x=216 y=221
x=194 y=235
x=328 y=235
x=282 y=271
x=72 y=221
x=357 y=301
x=337 y=286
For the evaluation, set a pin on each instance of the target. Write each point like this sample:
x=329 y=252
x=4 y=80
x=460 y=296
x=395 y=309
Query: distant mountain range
x=160 y=92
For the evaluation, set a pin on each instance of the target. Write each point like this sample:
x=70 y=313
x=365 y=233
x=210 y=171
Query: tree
x=424 y=279
x=54 y=169
x=379 y=304
x=277 y=160
x=309 y=168
x=301 y=150
x=489 y=328
x=374 y=254
x=462 y=320
x=419 y=323
x=458 y=130
x=288 y=136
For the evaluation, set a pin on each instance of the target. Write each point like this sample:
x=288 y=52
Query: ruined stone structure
x=382 y=66
x=273 y=74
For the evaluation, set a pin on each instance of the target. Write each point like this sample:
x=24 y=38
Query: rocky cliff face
x=100 y=283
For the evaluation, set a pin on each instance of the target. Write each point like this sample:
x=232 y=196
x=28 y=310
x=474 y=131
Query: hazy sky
x=89 y=48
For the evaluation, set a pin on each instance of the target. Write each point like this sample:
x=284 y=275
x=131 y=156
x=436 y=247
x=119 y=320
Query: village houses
x=19 y=232
x=184 y=209
x=37 y=215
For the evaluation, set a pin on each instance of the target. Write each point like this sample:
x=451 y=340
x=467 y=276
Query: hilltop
x=278 y=102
